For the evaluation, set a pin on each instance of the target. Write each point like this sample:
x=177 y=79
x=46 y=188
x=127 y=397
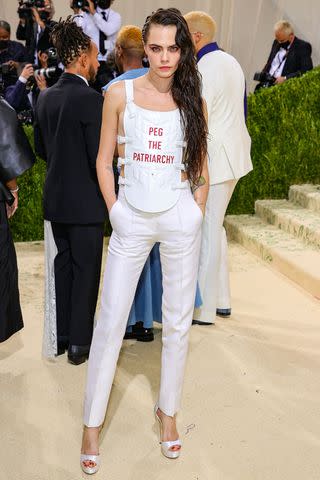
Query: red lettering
x=153 y=145
x=157 y=132
x=135 y=156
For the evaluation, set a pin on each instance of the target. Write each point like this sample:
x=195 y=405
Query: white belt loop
x=181 y=186
x=123 y=181
x=121 y=140
x=180 y=166
x=123 y=161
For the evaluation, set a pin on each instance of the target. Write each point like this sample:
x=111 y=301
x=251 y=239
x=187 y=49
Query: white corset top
x=153 y=156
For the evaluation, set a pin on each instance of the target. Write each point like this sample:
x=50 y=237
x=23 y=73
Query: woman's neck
x=162 y=85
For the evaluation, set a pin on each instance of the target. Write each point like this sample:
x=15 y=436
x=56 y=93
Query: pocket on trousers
x=198 y=208
x=120 y=217
x=114 y=206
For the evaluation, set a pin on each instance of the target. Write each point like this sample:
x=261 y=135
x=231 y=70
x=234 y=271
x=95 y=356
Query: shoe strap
x=91 y=458
x=173 y=443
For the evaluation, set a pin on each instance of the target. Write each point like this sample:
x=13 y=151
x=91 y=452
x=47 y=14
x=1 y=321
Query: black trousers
x=10 y=311
x=77 y=269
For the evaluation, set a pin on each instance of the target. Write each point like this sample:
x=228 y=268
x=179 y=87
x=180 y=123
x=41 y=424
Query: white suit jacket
x=229 y=142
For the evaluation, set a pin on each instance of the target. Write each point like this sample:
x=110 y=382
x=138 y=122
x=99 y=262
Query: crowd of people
x=169 y=105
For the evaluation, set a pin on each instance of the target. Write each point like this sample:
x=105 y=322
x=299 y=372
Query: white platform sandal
x=167 y=448
x=90 y=464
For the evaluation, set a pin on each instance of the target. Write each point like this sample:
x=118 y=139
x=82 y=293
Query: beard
x=92 y=74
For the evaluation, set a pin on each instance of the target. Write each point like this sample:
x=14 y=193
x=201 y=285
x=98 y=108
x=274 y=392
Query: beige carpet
x=251 y=398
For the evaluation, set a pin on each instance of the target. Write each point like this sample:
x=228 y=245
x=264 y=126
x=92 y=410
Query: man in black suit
x=67 y=130
x=289 y=57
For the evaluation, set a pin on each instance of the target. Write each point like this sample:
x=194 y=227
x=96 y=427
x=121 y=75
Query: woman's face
x=162 y=51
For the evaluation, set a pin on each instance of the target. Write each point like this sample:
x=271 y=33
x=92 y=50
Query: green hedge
x=284 y=124
x=27 y=223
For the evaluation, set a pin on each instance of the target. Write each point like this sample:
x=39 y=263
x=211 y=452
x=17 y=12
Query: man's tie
x=102 y=36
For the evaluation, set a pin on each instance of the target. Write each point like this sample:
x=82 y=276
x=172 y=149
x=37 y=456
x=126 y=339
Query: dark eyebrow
x=155 y=45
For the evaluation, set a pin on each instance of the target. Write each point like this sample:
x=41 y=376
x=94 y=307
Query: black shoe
x=223 y=312
x=62 y=346
x=78 y=354
x=199 y=322
x=140 y=333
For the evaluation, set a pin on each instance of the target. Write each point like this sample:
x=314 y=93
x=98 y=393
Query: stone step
x=284 y=252
x=308 y=196
x=292 y=218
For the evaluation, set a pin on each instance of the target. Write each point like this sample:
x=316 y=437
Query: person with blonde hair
x=229 y=143
x=129 y=53
x=289 y=57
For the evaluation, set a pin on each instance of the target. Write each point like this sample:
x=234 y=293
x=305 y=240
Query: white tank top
x=154 y=143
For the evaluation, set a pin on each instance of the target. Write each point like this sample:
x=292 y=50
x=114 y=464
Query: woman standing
x=159 y=125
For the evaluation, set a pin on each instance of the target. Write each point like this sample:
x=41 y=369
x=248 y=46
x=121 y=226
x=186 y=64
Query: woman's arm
x=202 y=190
x=108 y=140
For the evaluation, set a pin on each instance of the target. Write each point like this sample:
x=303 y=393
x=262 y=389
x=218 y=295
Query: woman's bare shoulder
x=116 y=92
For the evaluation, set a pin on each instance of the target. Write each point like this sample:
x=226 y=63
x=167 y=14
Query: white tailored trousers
x=213 y=266
x=134 y=233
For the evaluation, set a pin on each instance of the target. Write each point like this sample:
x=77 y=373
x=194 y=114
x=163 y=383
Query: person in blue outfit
x=146 y=308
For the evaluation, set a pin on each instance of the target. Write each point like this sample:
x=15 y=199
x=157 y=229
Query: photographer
x=17 y=95
x=11 y=52
x=101 y=24
x=289 y=57
x=78 y=7
x=35 y=22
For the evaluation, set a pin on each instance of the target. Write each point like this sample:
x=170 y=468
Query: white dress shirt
x=92 y=24
x=83 y=78
x=278 y=63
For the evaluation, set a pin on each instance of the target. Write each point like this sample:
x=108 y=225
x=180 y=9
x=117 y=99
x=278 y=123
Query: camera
x=8 y=75
x=264 y=78
x=5 y=69
x=25 y=117
x=83 y=4
x=53 y=71
x=79 y=4
x=25 y=6
x=49 y=72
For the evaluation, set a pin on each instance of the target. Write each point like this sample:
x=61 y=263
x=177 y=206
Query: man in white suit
x=229 y=159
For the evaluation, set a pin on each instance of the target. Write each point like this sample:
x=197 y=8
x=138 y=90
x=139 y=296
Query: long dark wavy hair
x=186 y=90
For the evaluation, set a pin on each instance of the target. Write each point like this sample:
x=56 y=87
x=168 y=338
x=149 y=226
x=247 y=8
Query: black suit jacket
x=298 y=59
x=67 y=132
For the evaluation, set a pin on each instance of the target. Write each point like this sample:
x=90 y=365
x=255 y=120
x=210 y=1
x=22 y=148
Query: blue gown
x=147 y=302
